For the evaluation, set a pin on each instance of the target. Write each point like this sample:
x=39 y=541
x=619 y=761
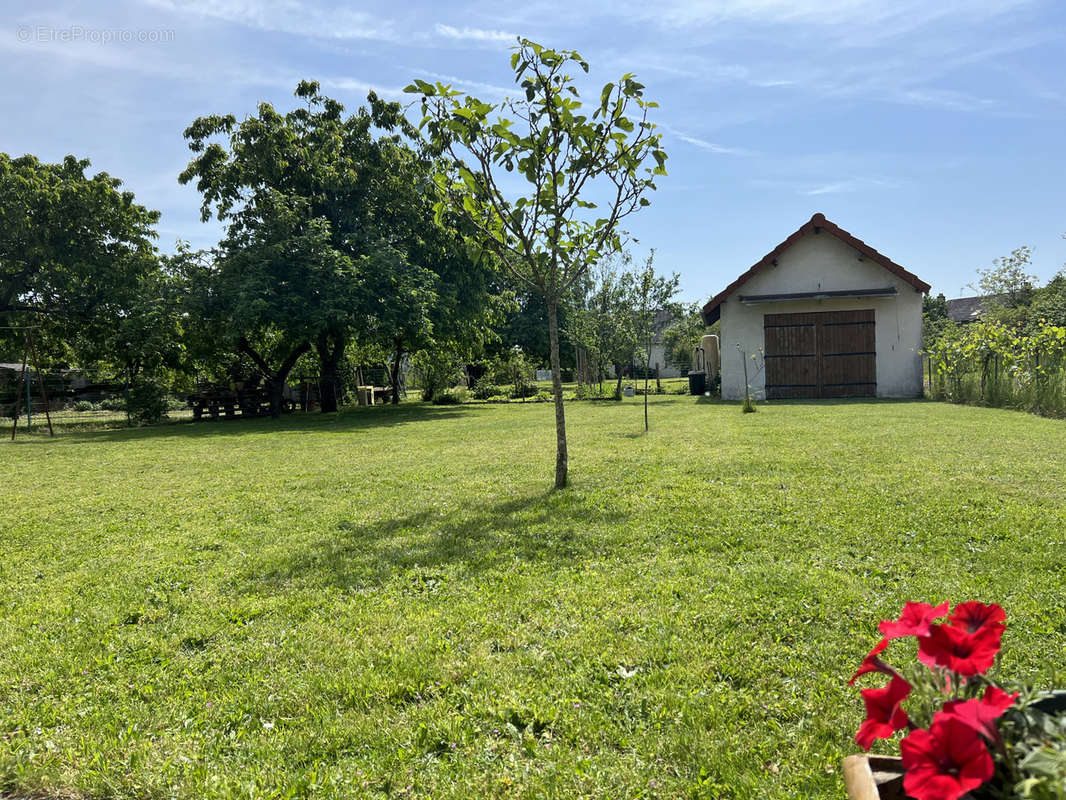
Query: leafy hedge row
x=990 y=364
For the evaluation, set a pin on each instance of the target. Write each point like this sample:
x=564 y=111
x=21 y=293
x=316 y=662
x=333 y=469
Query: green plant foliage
x=436 y=370
x=513 y=369
x=992 y=364
x=1036 y=729
x=112 y=404
x=484 y=390
x=149 y=401
x=683 y=336
x=73 y=248
x=457 y=395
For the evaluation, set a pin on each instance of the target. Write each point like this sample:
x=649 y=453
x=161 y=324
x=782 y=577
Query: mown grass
x=390 y=602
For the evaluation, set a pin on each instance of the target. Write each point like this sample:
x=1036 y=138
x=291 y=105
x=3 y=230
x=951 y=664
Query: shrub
x=148 y=401
x=498 y=398
x=483 y=391
x=513 y=369
x=543 y=396
x=84 y=405
x=112 y=404
x=434 y=371
x=451 y=397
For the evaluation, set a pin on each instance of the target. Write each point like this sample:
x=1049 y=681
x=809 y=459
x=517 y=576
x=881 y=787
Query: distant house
x=663 y=319
x=831 y=317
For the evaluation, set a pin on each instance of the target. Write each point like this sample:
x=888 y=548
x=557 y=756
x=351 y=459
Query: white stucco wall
x=822 y=262
x=658 y=356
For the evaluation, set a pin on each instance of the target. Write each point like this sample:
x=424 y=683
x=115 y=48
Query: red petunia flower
x=959 y=651
x=979 y=620
x=883 y=713
x=944 y=762
x=980 y=715
x=872 y=663
x=914 y=620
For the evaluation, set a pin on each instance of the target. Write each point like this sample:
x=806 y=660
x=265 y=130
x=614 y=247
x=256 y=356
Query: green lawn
x=391 y=602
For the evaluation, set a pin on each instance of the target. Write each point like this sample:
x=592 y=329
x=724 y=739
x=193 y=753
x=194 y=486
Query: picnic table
x=218 y=401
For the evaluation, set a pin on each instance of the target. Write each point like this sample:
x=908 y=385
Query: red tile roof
x=818 y=221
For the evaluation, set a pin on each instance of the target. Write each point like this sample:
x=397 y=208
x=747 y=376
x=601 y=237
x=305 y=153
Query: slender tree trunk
x=395 y=372
x=618 y=388
x=647 y=367
x=561 y=458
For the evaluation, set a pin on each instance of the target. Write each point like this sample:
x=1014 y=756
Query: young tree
x=652 y=293
x=605 y=321
x=546 y=237
x=1007 y=283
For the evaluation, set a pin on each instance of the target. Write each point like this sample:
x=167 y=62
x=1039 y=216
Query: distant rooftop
x=967 y=309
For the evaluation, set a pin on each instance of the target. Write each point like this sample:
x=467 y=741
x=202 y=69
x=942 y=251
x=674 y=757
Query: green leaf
x=605 y=95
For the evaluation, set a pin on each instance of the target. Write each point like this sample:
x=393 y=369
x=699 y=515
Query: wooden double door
x=820 y=354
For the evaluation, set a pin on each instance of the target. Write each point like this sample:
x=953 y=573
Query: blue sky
x=932 y=130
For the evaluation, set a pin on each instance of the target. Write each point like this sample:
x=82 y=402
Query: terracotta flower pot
x=873 y=778
x=876 y=778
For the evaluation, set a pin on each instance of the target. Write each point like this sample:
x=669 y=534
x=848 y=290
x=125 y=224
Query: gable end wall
x=821 y=262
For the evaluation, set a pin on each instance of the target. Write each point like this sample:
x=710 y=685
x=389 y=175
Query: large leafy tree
x=73 y=247
x=548 y=235
x=526 y=324
x=314 y=175
x=430 y=287
x=332 y=236
x=281 y=280
x=1007 y=284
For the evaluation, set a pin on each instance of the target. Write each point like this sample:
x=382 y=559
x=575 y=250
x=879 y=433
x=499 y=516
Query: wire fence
x=80 y=400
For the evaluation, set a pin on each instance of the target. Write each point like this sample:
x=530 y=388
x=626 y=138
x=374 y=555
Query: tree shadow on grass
x=543 y=528
x=349 y=420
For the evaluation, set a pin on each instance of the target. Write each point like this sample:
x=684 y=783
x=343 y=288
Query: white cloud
x=703 y=144
x=947 y=99
x=285 y=16
x=832 y=188
x=849 y=185
x=476 y=34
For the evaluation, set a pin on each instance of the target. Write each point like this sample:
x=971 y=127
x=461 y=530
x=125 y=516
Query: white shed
x=826 y=316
